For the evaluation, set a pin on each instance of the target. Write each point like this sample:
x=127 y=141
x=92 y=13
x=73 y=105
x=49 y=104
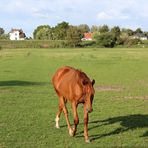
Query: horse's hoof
x=87 y=141
x=71 y=132
x=74 y=131
x=57 y=126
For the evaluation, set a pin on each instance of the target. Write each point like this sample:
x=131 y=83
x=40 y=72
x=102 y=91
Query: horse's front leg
x=76 y=118
x=86 y=125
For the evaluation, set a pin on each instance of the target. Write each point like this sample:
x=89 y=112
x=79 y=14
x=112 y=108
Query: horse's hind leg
x=58 y=114
x=62 y=107
x=71 y=133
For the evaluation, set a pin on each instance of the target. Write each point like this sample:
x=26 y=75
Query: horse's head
x=89 y=95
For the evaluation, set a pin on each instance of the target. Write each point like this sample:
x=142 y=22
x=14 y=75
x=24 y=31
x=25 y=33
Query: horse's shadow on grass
x=21 y=83
x=130 y=122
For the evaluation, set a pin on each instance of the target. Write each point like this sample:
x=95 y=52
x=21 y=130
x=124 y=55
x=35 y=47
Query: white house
x=17 y=34
x=139 y=36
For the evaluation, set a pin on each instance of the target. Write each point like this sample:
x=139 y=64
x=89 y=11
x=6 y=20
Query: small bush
x=105 y=39
x=87 y=43
x=131 y=42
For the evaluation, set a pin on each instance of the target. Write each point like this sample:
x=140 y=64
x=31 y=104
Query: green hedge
x=7 y=44
x=88 y=44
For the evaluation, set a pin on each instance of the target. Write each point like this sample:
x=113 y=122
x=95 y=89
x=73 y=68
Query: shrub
x=87 y=43
x=131 y=42
x=105 y=39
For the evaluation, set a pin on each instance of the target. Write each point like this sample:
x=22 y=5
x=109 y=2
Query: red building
x=87 y=36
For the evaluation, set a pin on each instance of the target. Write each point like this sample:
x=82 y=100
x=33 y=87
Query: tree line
x=102 y=36
x=62 y=31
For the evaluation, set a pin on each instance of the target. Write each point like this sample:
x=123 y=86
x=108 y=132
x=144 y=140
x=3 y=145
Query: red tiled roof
x=88 y=35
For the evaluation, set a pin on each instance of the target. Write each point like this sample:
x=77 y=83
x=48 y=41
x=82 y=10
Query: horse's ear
x=93 y=82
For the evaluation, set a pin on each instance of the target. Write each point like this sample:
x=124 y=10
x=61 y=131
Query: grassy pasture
x=28 y=103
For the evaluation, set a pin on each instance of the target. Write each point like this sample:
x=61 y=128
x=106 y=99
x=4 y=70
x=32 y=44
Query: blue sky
x=28 y=14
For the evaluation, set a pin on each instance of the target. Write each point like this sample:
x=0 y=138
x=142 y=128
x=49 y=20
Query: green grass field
x=28 y=103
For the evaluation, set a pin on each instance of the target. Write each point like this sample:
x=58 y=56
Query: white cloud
x=34 y=10
x=36 y=13
x=103 y=15
x=41 y=15
x=111 y=15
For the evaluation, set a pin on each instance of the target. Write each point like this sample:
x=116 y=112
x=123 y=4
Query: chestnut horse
x=75 y=86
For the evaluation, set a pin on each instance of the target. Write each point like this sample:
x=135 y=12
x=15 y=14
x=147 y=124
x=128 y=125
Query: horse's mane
x=84 y=78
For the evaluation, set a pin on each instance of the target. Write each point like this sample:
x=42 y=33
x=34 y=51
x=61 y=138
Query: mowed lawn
x=28 y=103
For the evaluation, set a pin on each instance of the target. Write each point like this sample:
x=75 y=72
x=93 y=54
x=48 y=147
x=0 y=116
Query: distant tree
x=2 y=31
x=103 y=29
x=95 y=35
x=138 y=30
x=44 y=34
x=106 y=39
x=116 y=31
x=42 y=30
x=94 y=28
x=73 y=36
x=4 y=37
x=84 y=28
x=146 y=34
x=60 y=31
x=130 y=32
x=123 y=38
